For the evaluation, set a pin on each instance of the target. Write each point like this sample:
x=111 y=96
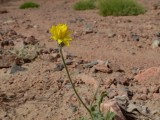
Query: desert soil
x=122 y=52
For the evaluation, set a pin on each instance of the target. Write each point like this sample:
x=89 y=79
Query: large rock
x=149 y=74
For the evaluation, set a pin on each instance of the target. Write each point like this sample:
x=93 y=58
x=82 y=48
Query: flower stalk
x=74 y=89
x=61 y=34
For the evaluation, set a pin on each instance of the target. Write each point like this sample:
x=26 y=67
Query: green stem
x=79 y=98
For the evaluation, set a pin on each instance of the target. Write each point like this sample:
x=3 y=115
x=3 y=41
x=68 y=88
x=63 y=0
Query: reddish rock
x=148 y=73
x=113 y=107
x=6 y=61
x=102 y=68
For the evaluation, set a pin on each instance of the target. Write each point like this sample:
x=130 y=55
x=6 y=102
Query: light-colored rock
x=155 y=43
x=113 y=107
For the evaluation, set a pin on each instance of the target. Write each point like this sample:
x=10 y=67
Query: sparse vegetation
x=112 y=7
x=119 y=7
x=84 y=5
x=29 y=5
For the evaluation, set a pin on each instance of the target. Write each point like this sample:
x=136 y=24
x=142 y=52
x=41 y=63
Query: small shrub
x=84 y=5
x=119 y=7
x=29 y=5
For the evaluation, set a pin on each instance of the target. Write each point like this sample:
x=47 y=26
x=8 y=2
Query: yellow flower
x=61 y=34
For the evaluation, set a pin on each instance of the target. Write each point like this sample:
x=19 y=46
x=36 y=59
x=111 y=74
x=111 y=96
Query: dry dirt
x=117 y=50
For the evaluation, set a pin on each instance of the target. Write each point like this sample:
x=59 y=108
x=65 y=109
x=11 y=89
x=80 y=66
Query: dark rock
x=116 y=68
x=58 y=67
x=15 y=68
x=135 y=37
x=3 y=11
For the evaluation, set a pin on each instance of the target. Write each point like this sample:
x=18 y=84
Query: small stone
x=72 y=20
x=91 y=64
x=15 y=68
x=103 y=69
x=68 y=62
x=115 y=68
x=11 y=95
x=9 y=22
x=158 y=34
x=88 y=29
x=155 y=43
x=58 y=67
x=73 y=108
x=135 y=37
x=111 y=35
x=113 y=107
x=100 y=62
x=3 y=11
x=108 y=82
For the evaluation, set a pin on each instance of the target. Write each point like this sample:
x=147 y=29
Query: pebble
x=111 y=93
x=15 y=68
x=90 y=64
x=111 y=35
x=88 y=29
x=103 y=69
x=155 y=43
x=135 y=37
x=68 y=62
x=58 y=67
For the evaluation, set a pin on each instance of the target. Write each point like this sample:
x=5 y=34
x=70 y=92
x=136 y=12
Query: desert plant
x=119 y=7
x=84 y=5
x=61 y=34
x=29 y=5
